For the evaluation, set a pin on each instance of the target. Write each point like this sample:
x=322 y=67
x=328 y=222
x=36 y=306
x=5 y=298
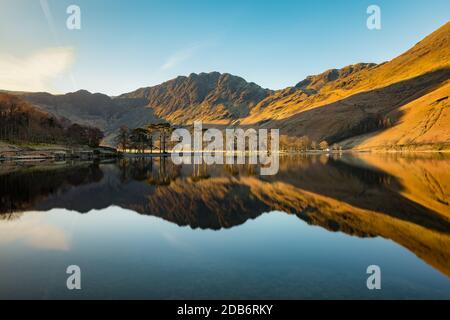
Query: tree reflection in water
x=402 y=198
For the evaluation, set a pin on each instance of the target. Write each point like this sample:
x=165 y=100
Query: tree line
x=20 y=122
x=302 y=144
x=157 y=137
x=153 y=136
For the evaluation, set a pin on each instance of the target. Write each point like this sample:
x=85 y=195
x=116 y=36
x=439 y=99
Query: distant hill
x=21 y=122
x=92 y=109
x=360 y=106
x=211 y=97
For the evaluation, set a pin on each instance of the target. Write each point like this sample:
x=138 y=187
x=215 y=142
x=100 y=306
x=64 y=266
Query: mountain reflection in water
x=402 y=198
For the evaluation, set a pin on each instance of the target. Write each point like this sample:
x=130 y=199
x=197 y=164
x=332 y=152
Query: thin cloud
x=35 y=72
x=48 y=15
x=51 y=25
x=180 y=56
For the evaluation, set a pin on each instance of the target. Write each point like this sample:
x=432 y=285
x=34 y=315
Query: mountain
x=367 y=99
x=313 y=84
x=92 y=109
x=212 y=97
x=402 y=102
x=81 y=107
x=21 y=121
x=424 y=121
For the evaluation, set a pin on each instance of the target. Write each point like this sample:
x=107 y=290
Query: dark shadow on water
x=155 y=185
x=328 y=191
x=364 y=188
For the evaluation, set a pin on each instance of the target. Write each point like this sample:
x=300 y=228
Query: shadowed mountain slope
x=399 y=102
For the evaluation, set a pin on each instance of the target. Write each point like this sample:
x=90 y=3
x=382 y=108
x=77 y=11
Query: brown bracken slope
x=398 y=102
x=402 y=102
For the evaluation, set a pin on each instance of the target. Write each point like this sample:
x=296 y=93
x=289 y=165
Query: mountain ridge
x=224 y=95
x=337 y=105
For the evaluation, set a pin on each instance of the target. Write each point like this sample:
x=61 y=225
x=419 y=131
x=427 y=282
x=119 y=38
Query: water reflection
x=405 y=199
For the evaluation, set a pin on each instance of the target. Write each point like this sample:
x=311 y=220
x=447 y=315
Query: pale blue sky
x=124 y=45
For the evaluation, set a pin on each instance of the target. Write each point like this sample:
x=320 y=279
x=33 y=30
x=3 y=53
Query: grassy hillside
x=22 y=122
x=423 y=121
x=362 y=106
x=431 y=54
x=407 y=94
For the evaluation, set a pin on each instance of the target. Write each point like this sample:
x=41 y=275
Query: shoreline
x=39 y=152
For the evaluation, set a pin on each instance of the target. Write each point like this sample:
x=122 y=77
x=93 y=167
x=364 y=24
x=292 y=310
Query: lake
x=145 y=228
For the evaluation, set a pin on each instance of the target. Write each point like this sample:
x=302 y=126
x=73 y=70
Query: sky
x=124 y=45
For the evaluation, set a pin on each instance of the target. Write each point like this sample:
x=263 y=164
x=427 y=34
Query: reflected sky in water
x=149 y=229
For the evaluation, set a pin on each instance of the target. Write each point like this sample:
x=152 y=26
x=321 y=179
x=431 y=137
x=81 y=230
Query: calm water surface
x=145 y=228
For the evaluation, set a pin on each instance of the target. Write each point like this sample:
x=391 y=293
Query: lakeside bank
x=30 y=152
